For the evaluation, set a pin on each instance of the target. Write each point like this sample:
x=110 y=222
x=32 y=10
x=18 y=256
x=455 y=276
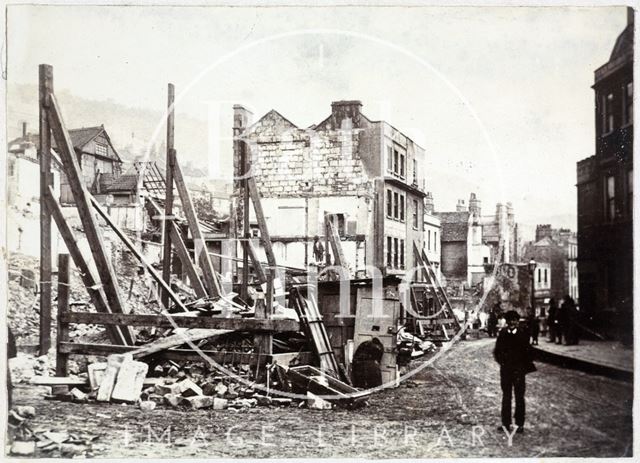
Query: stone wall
x=292 y=162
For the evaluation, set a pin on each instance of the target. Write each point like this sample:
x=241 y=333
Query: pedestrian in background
x=534 y=325
x=562 y=322
x=551 y=319
x=514 y=355
x=318 y=250
x=492 y=322
x=571 y=311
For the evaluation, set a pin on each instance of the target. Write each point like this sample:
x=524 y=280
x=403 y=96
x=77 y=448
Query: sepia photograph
x=330 y=229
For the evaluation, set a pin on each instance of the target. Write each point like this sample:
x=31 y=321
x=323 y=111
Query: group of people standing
x=561 y=322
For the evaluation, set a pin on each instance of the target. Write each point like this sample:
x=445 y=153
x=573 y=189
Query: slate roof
x=126 y=182
x=454 y=225
x=624 y=43
x=79 y=138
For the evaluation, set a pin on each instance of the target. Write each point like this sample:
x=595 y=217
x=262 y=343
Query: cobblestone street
x=450 y=409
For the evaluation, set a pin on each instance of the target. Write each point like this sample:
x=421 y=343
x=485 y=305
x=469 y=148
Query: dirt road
x=452 y=410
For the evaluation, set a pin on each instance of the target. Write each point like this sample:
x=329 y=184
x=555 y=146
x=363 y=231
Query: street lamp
x=532 y=270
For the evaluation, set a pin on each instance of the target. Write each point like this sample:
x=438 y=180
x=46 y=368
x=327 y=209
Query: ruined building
x=367 y=175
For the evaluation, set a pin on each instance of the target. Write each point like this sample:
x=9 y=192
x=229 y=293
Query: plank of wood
x=62 y=333
x=137 y=254
x=57 y=381
x=182 y=251
x=45 y=89
x=210 y=278
x=83 y=204
x=177 y=339
x=168 y=202
x=334 y=239
x=262 y=223
x=168 y=321
x=96 y=293
x=257 y=266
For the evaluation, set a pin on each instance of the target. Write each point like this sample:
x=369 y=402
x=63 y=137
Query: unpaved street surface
x=569 y=413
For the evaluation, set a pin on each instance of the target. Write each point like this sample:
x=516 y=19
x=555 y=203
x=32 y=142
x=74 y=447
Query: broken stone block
x=220 y=404
x=199 y=401
x=157 y=398
x=221 y=389
x=281 y=401
x=147 y=405
x=189 y=389
x=164 y=389
x=317 y=403
x=109 y=379
x=173 y=399
x=262 y=400
x=129 y=381
x=59 y=390
x=78 y=395
x=209 y=388
x=26 y=411
x=23 y=448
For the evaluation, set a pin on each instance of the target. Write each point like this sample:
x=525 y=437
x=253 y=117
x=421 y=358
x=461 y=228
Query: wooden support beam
x=45 y=89
x=245 y=161
x=96 y=293
x=85 y=211
x=168 y=200
x=178 y=339
x=62 y=334
x=210 y=278
x=127 y=242
x=257 y=266
x=334 y=240
x=182 y=251
x=182 y=321
x=378 y=226
x=262 y=223
x=221 y=357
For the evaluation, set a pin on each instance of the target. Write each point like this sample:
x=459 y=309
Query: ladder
x=313 y=326
x=443 y=323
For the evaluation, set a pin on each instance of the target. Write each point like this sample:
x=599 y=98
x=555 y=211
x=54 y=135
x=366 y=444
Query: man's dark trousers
x=512 y=381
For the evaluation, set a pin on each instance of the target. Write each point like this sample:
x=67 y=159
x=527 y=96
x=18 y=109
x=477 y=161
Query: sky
x=499 y=97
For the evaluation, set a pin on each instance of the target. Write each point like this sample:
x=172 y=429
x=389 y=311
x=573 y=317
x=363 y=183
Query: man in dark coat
x=366 y=364
x=551 y=320
x=514 y=355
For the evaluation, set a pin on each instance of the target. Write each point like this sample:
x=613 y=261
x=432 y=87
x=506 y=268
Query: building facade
x=471 y=241
x=605 y=197
x=366 y=175
x=431 y=243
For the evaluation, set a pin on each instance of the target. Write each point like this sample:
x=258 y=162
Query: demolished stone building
x=344 y=166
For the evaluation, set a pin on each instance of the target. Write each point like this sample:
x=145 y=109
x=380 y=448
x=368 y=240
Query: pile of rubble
x=44 y=443
x=121 y=379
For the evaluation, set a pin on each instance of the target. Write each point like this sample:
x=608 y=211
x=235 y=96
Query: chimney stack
x=428 y=203
x=345 y=114
x=630 y=14
x=460 y=207
x=24 y=130
x=474 y=205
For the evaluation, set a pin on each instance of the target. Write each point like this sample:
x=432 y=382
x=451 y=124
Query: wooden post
x=378 y=226
x=85 y=211
x=168 y=200
x=63 y=307
x=263 y=342
x=204 y=260
x=45 y=89
x=246 y=235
